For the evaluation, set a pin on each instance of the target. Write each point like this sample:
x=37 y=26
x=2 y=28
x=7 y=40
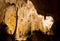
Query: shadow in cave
x=4 y=36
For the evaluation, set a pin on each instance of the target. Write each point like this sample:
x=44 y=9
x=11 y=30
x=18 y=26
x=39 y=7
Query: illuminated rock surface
x=28 y=20
x=10 y=19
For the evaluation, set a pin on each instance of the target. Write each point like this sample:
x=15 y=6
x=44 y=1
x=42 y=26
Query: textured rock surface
x=27 y=19
x=10 y=19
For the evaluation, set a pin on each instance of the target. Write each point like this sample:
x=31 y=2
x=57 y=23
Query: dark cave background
x=46 y=8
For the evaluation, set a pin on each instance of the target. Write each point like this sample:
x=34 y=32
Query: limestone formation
x=23 y=18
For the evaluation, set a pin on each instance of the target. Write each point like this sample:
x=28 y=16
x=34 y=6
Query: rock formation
x=21 y=17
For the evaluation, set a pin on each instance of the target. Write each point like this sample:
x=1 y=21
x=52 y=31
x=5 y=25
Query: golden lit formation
x=10 y=19
x=28 y=20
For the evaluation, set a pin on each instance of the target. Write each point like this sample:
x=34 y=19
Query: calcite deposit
x=24 y=18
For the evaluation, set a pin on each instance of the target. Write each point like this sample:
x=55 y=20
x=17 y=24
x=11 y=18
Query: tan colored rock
x=10 y=19
x=28 y=19
x=10 y=1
